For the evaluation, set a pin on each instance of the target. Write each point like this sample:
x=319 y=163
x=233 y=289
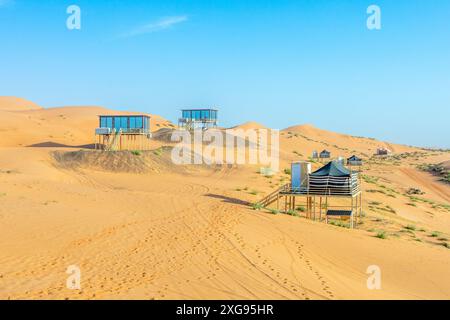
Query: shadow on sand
x=51 y=144
x=228 y=199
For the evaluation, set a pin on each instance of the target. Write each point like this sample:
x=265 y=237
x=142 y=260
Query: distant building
x=325 y=154
x=315 y=154
x=354 y=161
x=198 y=118
x=128 y=124
x=123 y=132
x=383 y=152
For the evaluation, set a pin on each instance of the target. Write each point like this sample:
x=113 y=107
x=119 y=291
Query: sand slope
x=140 y=227
x=189 y=236
x=63 y=126
x=17 y=104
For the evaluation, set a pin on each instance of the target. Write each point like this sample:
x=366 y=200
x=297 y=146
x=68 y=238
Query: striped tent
x=333 y=179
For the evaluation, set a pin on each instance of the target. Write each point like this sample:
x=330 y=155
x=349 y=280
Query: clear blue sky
x=277 y=62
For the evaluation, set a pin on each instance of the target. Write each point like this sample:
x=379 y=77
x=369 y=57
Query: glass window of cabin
x=139 y=122
x=124 y=123
x=196 y=115
x=206 y=114
x=145 y=123
x=109 y=122
x=132 y=122
x=117 y=123
x=103 y=122
x=186 y=114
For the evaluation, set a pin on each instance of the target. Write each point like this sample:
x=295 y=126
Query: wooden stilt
x=308 y=209
x=320 y=209
x=314 y=206
x=278 y=202
x=285 y=204
x=351 y=216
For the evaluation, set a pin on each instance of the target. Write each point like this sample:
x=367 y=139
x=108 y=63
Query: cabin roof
x=332 y=169
x=204 y=109
x=354 y=158
x=124 y=115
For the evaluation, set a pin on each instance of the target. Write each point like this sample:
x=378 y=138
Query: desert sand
x=139 y=227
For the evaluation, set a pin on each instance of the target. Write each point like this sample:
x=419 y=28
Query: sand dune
x=17 y=104
x=70 y=126
x=250 y=125
x=140 y=227
x=338 y=143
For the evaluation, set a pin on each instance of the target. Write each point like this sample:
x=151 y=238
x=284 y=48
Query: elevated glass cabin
x=127 y=124
x=200 y=115
x=194 y=118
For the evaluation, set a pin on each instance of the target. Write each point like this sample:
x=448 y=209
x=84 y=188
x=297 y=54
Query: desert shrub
x=390 y=209
x=435 y=234
x=257 y=206
x=158 y=152
x=274 y=211
x=339 y=223
x=292 y=213
x=369 y=179
x=381 y=235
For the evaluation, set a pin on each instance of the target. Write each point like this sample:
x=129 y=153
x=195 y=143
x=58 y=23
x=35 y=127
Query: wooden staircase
x=113 y=145
x=271 y=198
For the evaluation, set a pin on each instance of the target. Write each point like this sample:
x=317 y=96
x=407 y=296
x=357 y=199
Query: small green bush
x=158 y=152
x=274 y=211
x=292 y=213
x=381 y=235
x=257 y=206
x=435 y=234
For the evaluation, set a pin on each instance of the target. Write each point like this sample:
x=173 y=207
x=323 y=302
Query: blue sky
x=280 y=62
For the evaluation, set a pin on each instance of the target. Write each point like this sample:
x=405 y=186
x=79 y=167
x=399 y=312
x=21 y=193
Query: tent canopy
x=332 y=169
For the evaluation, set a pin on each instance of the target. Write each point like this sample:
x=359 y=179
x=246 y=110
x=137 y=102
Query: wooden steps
x=271 y=198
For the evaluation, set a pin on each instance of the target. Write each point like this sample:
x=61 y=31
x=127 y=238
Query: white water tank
x=300 y=172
